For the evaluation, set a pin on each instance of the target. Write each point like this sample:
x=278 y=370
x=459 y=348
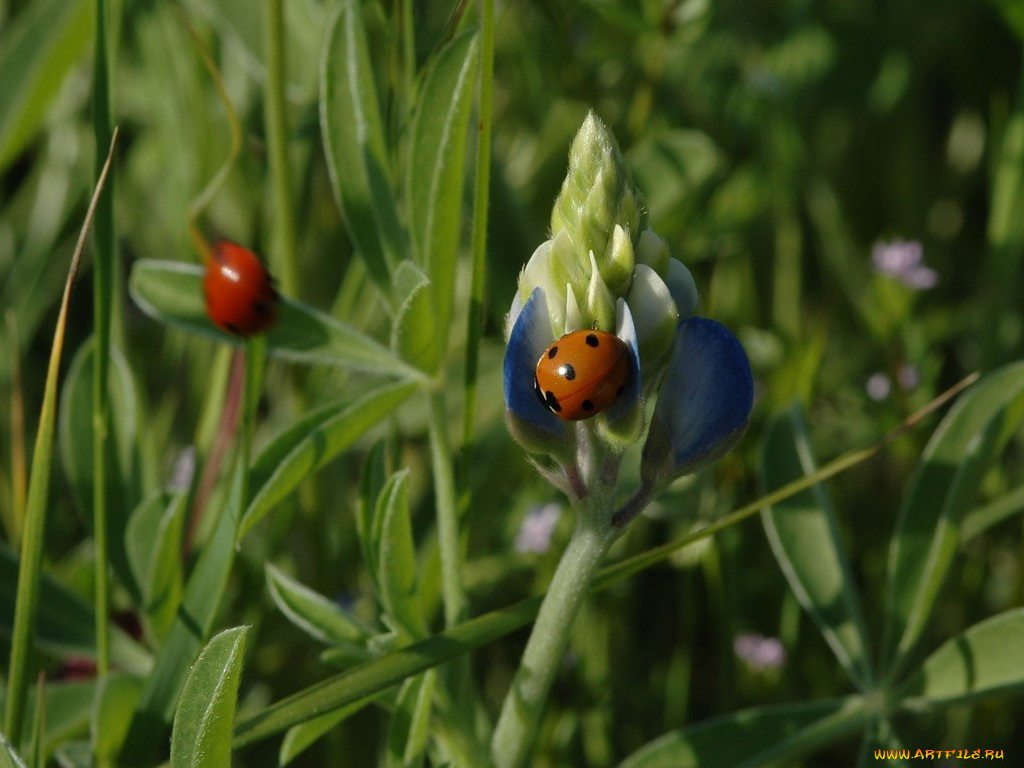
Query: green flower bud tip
x=597 y=193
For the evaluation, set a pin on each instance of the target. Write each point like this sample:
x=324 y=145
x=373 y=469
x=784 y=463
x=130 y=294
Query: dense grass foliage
x=326 y=536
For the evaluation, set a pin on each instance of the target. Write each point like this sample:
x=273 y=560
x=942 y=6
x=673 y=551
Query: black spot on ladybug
x=552 y=402
x=567 y=372
x=261 y=307
x=592 y=340
x=539 y=393
x=588 y=406
x=552 y=352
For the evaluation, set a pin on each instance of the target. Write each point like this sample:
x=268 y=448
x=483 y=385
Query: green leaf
x=8 y=757
x=374 y=677
x=353 y=135
x=298 y=453
x=371 y=484
x=414 y=335
x=314 y=614
x=203 y=593
x=172 y=292
x=116 y=700
x=122 y=460
x=153 y=541
x=65 y=625
x=984 y=660
x=754 y=737
x=202 y=724
x=36 y=53
x=67 y=706
x=804 y=535
x=981 y=519
x=944 y=487
x=435 y=174
x=408 y=731
x=397 y=557
x=301 y=737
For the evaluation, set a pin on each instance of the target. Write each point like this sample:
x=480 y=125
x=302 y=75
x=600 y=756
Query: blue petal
x=703 y=404
x=530 y=336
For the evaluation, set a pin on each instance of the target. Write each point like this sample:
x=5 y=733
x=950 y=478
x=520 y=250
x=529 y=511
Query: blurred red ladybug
x=582 y=373
x=240 y=294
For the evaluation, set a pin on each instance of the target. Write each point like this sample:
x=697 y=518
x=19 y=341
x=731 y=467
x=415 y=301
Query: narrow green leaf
x=942 y=490
x=122 y=463
x=26 y=606
x=314 y=614
x=379 y=675
x=8 y=757
x=397 y=558
x=981 y=519
x=984 y=660
x=353 y=135
x=203 y=593
x=153 y=542
x=754 y=737
x=371 y=483
x=408 y=732
x=414 y=335
x=202 y=724
x=308 y=451
x=37 y=52
x=171 y=292
x=75 y=754
x=116 y=699
x=436 y=169
x=65 y=625
x=301 y=737
x=804 y=535
x=68 y=707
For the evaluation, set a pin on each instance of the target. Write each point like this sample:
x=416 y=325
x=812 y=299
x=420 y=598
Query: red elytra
x=582 y=373
x=240 y=294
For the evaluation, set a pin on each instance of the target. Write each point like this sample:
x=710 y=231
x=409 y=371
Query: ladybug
x=582 y=373
x=240 y=294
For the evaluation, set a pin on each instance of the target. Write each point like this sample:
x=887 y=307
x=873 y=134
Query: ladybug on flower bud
x=582 y=373
x=240 y=294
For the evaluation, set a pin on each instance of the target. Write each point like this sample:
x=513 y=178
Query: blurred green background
x=776 y=144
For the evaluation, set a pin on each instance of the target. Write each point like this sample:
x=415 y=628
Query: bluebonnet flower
x=604 y=269
x=904 y=261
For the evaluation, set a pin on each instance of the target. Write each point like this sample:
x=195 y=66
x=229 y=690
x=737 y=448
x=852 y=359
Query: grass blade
x=29 y=575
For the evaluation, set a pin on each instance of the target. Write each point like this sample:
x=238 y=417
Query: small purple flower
x=903 y=260
x=759 y=652
x=909 y=377
x=878 y=386
x=536 y=529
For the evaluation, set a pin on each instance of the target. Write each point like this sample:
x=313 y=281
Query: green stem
x=102 y=312
x=479 y=236
x=524 y=704
x=455 y=604
x=277 y=150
